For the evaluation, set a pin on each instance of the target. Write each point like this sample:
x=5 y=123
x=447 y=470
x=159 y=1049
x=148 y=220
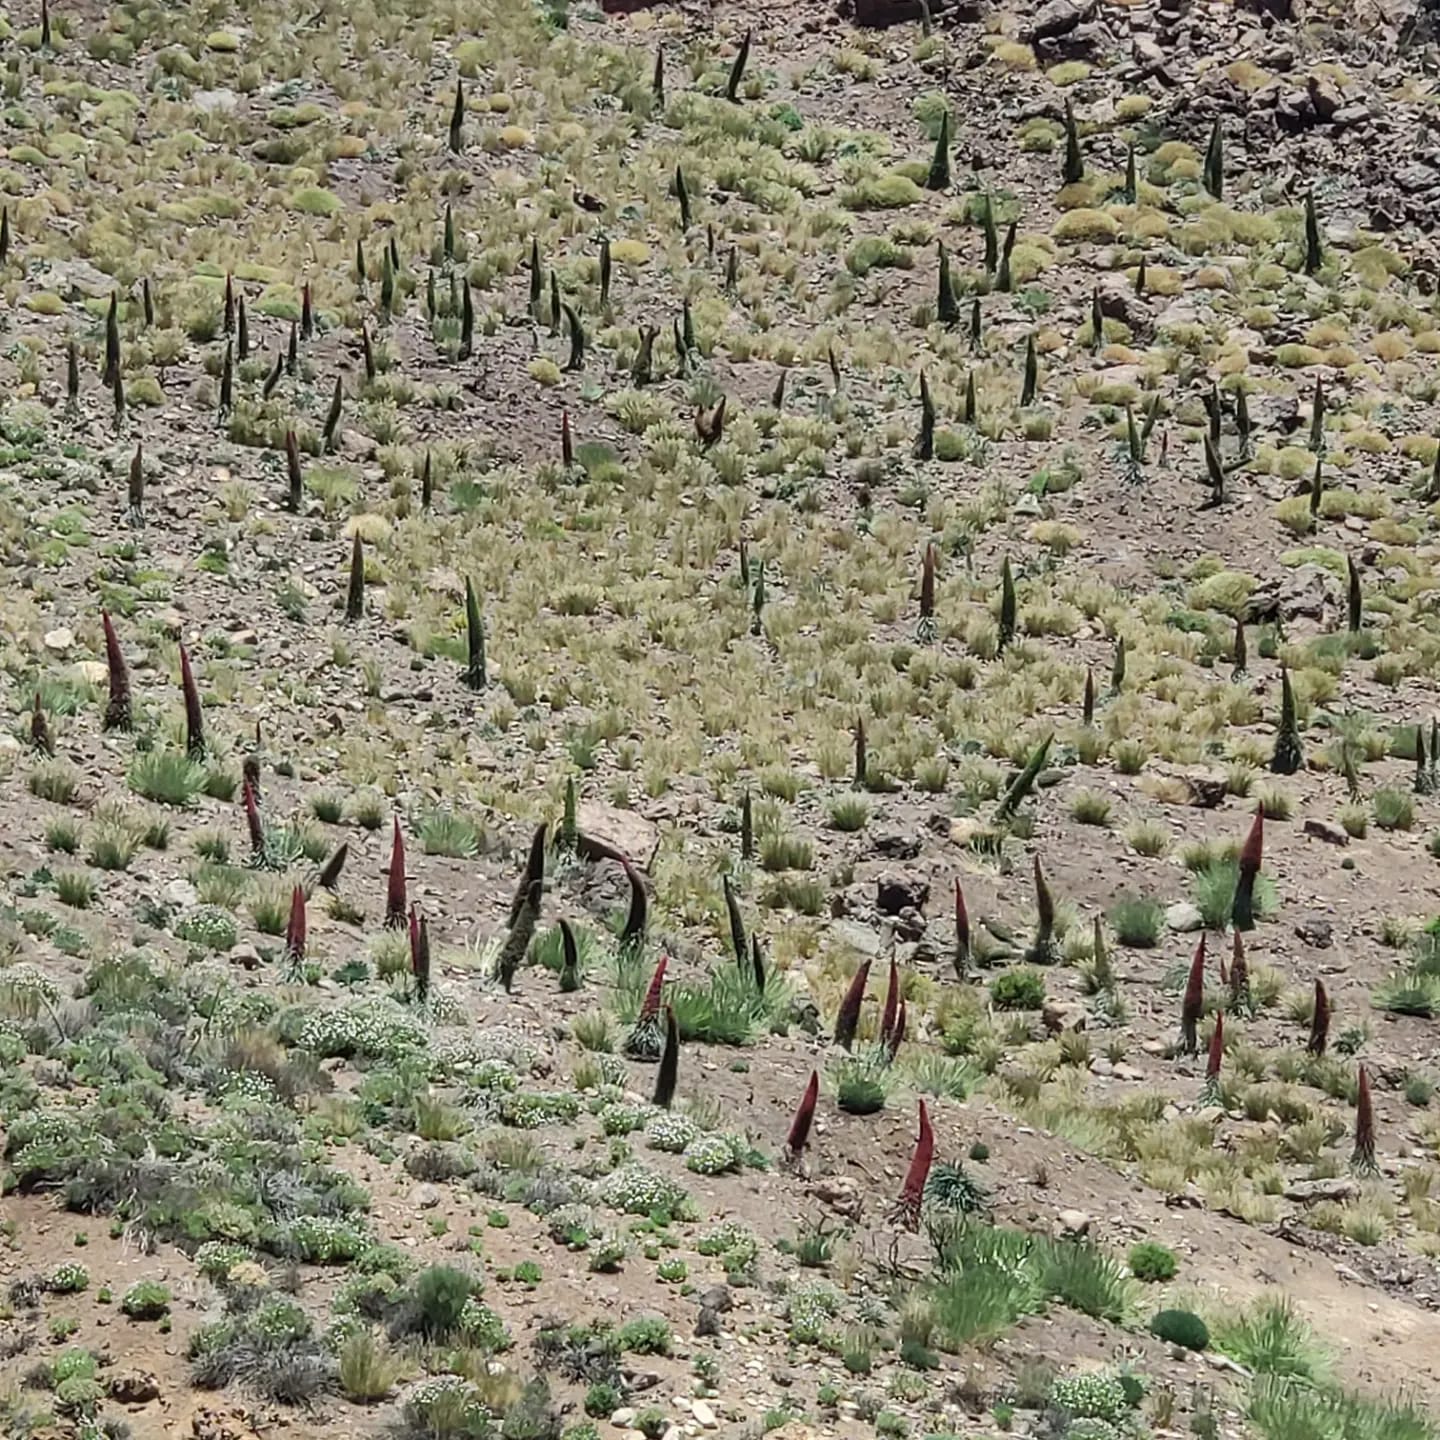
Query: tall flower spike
x=118 y=712
x=295 y=929
x=897 y=1033
x=669 y=1072
x=1239 y=975
x=1252 y=854
x=1213 y=1059
x=962 y=933
x=799 y=1135
x=651 y=1005
x=1363 y=1157
x=252 y=818
x=892 y=1004
x=1193 y=1005
x=847 y=1019
x=738 y=942
x=638 y=916
x=912 y=1195
x=570 y=961
x=194 y=720
x=40 y=736
x=1319 y=1022
x=395 y=887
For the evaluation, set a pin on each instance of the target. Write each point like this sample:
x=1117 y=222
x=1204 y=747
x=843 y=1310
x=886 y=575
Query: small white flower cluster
x=207 y=925
x=620 y=1117
x=281 y=1320
x=1091 y=1396
x=507 y=1043
x=530 y=1109
x=1091 y=1427
x=455 y=1393
x=711 y=1155
x=465 y=1058
x=24 y=979
x=322 y=1239
x=377 y=1028
x=809 y=1312
x=481 y=1326
x=68 y=1278
x=726 y=1237
x=670 y=1132
x=249 y=1085
x=638 y=1190
x=215 y=1259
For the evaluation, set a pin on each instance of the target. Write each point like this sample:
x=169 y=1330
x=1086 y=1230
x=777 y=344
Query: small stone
x=622 y=1417
x=704 y=1414
x=59 y=640
x=92 y=672
x=718 y=1298
x=424 y=1196
x=896 y=844
x=896 y=891
x=1316 y=931
x=1071 y=1224
x=1062 y=1015
x=863 y=939
x=181 y=892
x=1307 y=1192
x=133 y=1387
x=1183 y=917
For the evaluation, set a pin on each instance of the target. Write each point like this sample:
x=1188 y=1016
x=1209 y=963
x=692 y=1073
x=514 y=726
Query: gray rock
x=717 y=1298
x=1062 y=1015
x=863 y=939
x=1308 y=1192
x=896 y=891
x=1056 y=18
x=1316 y=931
x=896 y=845
x=1183 y=918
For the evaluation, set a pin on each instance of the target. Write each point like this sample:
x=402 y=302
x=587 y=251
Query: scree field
x=719 y=720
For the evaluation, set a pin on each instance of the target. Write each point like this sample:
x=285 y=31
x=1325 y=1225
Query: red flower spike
x=395 y=890
x=1363 y=1158
x=1193 y=1005
x=897 y=1035
x=252 y=818
x=118 y=713
x=804 y=1117
x=1252 y=854
x=1217 y=1050
x=892 y=1002
x=295 y=929
x=907 y=1211
x=1239 y=974
x=651 y=1007
x=847 y=1020
x=194 y=720
x=962 y=932
x=1319 y=1022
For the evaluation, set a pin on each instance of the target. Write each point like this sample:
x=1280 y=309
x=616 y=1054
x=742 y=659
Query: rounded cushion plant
x=1181 y=1327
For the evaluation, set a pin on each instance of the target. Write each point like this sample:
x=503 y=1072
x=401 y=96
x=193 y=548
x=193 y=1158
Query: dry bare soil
x=650 y=557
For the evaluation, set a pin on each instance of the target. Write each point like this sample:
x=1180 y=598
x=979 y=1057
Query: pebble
x=704 y=1414
x=622 y=1418
x=59 y=640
